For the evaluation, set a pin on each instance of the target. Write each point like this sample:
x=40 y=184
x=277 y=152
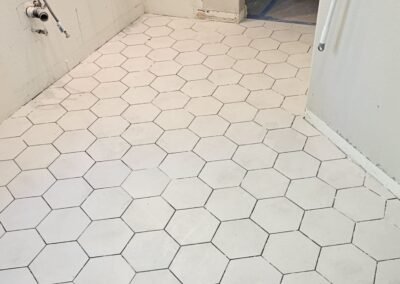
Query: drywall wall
x=222 y=10
x=355 y=82
x=30 y=62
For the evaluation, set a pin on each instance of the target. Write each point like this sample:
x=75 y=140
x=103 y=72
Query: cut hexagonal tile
x=392 y=212
x=24 y=213
x=230 y=204
x=81 y=85
x=187 y=193
x=105 y=237
x=346 y=264
x=199 y=88
x=201 y=263
x=360 y=204
x=107 y=174
x=321 y=148
x=150 y=251
x=285 y=140
x=141 y=113
x=311 y=193
x=143 y=133
x=146 y=183
x=291 y=252
x=300 y=60
x=302 y=126
x=297 y=165
x=46 y=114
x=11 y=147
x=174 y=119
x=171 y=100
x=148 y=214
x=173 y=141
x=14 y=127
x=265 y=183
x=222 y=174
x=192 y=226
x=206 y=126
x=144 y=157
x=15 y=276
x=255 y=82
x=341 y=173
x=37 y=157
x=106 y=203
x=71 y=165
x=74 y=141
x=215 y=148
x=109 y=126
x=19 y=248
x=79 y=101
x=84 y=70
x=31 y=183
x=240 y=238
x=378 y=239
x=58 y=263
x=8 y=170
x=181 y=165
x=203 y=106
x=277 y=215
x=251 y=270
x=327 y=227
x=5 y=198
x=255 y=156
x=63 y=225
x=67 y=193
x=295 y=105
x=133 y=39
x=75 y=120
x=42 y=134
x=108 y=269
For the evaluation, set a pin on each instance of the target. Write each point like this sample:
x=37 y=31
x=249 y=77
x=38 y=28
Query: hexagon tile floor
x=177 y=153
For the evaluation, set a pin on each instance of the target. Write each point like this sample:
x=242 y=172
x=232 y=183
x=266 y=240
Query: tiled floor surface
x=177 y=153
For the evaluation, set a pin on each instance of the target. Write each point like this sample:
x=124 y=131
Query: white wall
x=355 y=86
x=223 y=10
x=30 y=62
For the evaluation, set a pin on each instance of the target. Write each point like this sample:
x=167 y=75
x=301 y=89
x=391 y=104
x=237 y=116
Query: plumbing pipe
x=325 y=29
x=37 y=12
x=59 y=25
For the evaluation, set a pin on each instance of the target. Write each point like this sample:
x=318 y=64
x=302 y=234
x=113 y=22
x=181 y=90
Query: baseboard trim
x=354 y=154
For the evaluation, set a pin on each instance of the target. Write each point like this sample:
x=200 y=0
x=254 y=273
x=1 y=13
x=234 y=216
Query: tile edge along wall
x=351 y=100
x=30 y=62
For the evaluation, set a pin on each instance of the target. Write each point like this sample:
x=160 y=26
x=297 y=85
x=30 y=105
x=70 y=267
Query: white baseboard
x=354 y=154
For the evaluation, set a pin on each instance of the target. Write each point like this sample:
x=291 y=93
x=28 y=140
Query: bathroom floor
x=178 y=153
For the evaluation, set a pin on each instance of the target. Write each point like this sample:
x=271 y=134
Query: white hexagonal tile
x=24 y=213
x=58 y=263
x=222 y=174
x=76 y=120
x=327 y=227
x=255 y=82
x=231 y=93
x=84 y=70
x=251 y=270
x=192 y=226
x=71 y=165
x=272 y=56
x=277 y=215
x=286 y=35
x=190 y=58
x=341 y=173
x=15 y=276
x=255 y=156
x=11 y=147
x=225 y=77
x=111 y=74
x=108 y=269
x=105 y=237
x=265 y=183
x=144 y=157
x=392 y=214
x=31 y=183
x=74 y=141
x=246 y=133
x=180 y=140
x=107 y=174
x=137 y=64
x=8 y=170
x=150 y=251
x=136 y=51
x=230 y=203
x=106 y=203
x=215 y=148
x=81 y=85
x=194 y=72
x=79 y=101
x=249 y=66
x=5 y=198
x=187 y=45
x=198 y=88
x=283 y=71
x=346 y=264
x=139 y=95
x=388 y=272
x=111 y=148
x=187 y=193
x=265 y=99
x=138 y=79
x=109 y=107
x=181 y=165
x=63 y=225
x=285 y=140
x=109 y=126
x=311 y=193
x=133 y=39
x=274 y=118
x=67 y=193
x=42 y=134
x=297 y=165
x=291 y=252
x=163 y=54
x=171 y=100
x=205 y=126
x=141 y=113
x=146 y=183
x=37 y=157
x=238 y=112
x=304 y=278
x=360 y=204
x=203 y=106
x=148 y=214
x=14 y=127
x=240 y=238
x=142 y=133
x=174 y=119
x=321 y=148
x=201 y=263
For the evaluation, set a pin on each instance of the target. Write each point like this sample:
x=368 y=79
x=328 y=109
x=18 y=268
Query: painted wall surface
x=355 y=87
x=225 y=10
x=30 y=62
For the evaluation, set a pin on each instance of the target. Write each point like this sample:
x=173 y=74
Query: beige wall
x=223 y=10
x=355 y=82
x=30 y=62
